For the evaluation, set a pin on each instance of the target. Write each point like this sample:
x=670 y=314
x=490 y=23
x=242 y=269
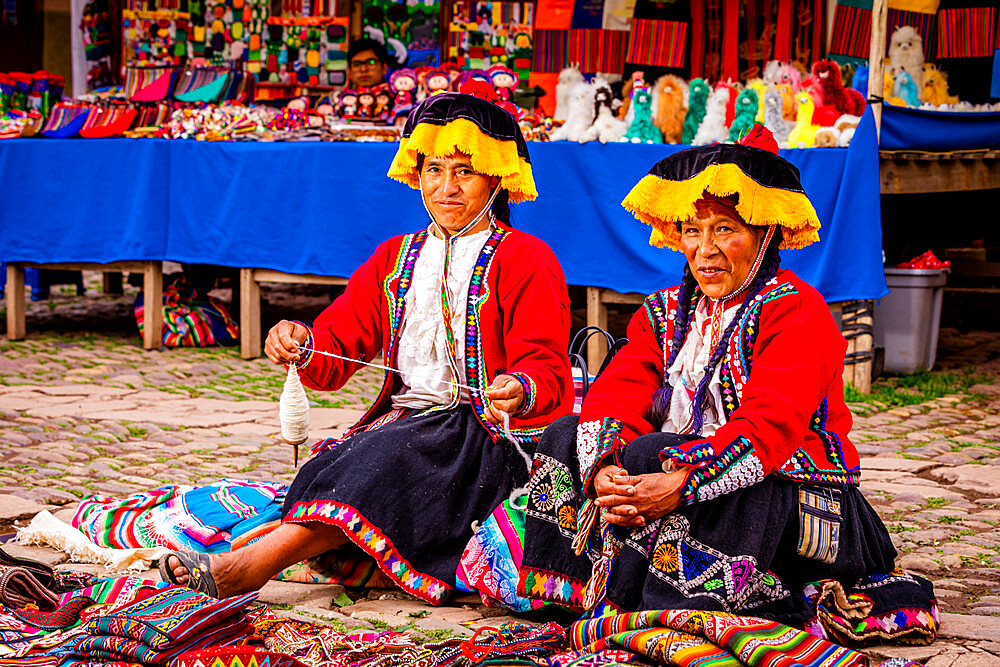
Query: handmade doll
x=404 y=85
x=437 y=81
x=803 y=135
x=580 y=115
x=713 y=128
x=347 y=104
x=669 y=91
x=697 y=100
x=936 y=87
x=774 y=119
x=606 y=126
x=642 y=130
x=906 y=53
x=504 y=80
x=366 y=103
x=383 y=104
x=568 y=78
x=746 y=114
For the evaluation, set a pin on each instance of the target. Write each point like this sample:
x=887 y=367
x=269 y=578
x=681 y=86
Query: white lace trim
x=689 y=368
x=423 y=343
x=586 y=443
x=745 y=472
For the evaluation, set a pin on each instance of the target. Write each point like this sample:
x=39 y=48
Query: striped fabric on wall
x=969 y=32
x=852 y=29
x=658 y=43
x=550 y=50
x=598 y=50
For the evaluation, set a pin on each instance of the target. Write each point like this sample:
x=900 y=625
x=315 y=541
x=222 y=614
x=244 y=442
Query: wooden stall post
x=15 y=302
x=152 y=297
x=876 y=56
x=249 y=315
x=597 y=315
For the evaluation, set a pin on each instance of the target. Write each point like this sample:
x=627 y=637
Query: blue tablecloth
x=904 y=128
x=323 y=207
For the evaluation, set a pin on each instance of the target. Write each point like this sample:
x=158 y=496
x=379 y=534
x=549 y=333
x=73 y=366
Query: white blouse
x=422 y=356
x=689 y=368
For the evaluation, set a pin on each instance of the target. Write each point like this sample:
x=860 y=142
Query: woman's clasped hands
x=633 y=501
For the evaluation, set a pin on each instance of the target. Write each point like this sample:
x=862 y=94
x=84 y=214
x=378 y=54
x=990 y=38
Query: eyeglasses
x=371 y=62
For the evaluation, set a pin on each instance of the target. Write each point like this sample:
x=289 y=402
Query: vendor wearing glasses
x=366 y=64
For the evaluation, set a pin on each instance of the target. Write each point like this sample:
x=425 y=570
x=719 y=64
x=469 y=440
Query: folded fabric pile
x=158 y=627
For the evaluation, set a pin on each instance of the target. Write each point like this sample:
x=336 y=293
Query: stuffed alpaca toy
x=860 y=81
x=788 y=106
x=936 y=87
x=826 y=137
x=905 y=88
x=803 y=135
x=606 y=126
x=780 y=73
x=746 y=114
x=580 y=115
x=760 y=88
x=906 y=53
x=713 y=128
x=668 y=100
x=568 y=78
x=835 y=99
x=774 y=119
x=697 y=100
x=642 y=130
x=846 y=125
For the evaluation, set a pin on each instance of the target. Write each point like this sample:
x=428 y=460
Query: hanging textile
x=759 y=20
x=550 y=53
x=852 y=28
x=553 y=14
x=618 y=14
x=969 y=32
x=588 y=14
x=659 y=43
x=597 y=50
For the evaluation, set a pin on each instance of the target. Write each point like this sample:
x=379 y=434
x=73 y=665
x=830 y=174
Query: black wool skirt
x=409 y=493
x=737 y=553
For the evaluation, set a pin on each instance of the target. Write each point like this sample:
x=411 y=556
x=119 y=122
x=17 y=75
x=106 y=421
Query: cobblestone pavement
x=88 y=411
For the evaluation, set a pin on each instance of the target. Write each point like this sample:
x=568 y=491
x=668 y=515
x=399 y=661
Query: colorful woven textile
x=502 y=646
x=235 y=656
x=64 y=616
x=658 y=43
x=969 y=32
x=325 y=647
x=492 y=559
x=689 y=638
x=205 y=518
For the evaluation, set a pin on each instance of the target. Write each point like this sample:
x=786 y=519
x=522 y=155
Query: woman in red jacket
x=475 y=315
x=710 y=467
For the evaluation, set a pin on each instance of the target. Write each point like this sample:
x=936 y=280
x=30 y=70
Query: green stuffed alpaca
x=642 y=130
x=697 y=102
x=747 y=104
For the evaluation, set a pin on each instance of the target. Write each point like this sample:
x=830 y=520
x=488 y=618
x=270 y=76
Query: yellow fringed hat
x=456 y=122
x=768 y=186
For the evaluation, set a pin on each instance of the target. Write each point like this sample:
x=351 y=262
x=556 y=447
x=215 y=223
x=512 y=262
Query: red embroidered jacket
x=783 y=396
x=517 y=323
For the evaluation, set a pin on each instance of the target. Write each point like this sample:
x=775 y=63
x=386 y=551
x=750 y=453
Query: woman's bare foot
x=249 y=568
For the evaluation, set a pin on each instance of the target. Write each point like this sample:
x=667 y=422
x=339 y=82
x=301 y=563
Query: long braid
x=768 y=269
x=682 y=322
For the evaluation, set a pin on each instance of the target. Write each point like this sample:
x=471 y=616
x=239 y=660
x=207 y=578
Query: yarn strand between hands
x=504 y=415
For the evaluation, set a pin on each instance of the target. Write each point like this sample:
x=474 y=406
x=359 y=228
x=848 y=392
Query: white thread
x=294 y=409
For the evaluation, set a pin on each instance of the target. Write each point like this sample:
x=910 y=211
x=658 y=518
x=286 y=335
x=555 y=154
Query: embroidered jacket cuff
x=530 y=393
x=712 y=473
x=595 y=441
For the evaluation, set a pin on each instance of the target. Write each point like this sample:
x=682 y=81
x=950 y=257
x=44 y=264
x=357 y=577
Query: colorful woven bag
x=190 y=320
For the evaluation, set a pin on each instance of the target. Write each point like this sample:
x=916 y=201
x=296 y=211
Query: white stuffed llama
x=607 y=127
x=580 y=114
x=568 y=78
x=713 y=128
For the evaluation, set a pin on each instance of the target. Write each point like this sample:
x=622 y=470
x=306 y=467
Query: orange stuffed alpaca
x=670 y=107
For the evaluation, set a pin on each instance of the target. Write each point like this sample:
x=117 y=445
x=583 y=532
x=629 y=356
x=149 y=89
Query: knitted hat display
x=768 y=187
x=447 y=123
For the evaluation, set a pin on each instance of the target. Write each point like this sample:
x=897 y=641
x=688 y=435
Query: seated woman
x=475 y=316
x=710 y=467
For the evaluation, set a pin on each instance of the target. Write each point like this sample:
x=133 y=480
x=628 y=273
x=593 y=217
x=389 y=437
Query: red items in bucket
x=928 y=260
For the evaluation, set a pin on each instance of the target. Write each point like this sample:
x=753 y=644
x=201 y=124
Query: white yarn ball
x=294 y=409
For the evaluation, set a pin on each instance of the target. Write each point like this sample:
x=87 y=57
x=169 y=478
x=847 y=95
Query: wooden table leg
x=152 y=297
x=15 y=302
x=249 y=315
x=111 y=282
x=597 y=315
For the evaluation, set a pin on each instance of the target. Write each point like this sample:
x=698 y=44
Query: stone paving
x=88 y=411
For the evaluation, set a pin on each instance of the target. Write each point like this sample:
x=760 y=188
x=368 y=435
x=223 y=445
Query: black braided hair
x=501 y=207
x=768 y=269
x=687 y=296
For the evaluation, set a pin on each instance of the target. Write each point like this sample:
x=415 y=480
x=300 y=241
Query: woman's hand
x=505 y=395
x=283 y=342
x=635 y=500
